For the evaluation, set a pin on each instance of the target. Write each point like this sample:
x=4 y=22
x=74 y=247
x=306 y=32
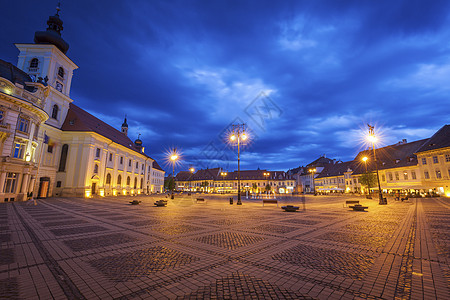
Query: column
x=2 y=181
x=24 y=187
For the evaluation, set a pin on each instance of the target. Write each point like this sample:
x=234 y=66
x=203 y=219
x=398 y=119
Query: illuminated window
x=438 y=174
x=397 y=177
x=413 y=175
x=424 y=161
x=447 y=157
x=405 y=175
x=435 y=160
x=427 y=176
x=19 y=150
x=390 y=176
x=23 y=124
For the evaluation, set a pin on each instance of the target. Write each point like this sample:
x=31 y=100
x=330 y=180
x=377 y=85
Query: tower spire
x=53 y=33
x=125 y=126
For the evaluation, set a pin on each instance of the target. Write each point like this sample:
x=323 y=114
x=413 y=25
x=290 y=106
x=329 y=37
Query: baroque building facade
x=50 y=146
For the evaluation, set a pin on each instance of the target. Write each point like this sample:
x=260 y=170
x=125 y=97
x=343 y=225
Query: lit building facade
x=50 y=146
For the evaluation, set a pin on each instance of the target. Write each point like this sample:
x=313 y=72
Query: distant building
x=252 y=181
x=50 y=146
x=304 y=176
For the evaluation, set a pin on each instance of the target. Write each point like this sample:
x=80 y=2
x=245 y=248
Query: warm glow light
x=174 y=157
x=365 y=158
x=371 y=138
x=233 y=137
x=27 y=157
x=8 y=91
x=447 y=194
x=244 y=136
x=124 y=191
x=87 y=193
x=192 y=170
x=139 y=192
x=114 y=193
x=102 y=193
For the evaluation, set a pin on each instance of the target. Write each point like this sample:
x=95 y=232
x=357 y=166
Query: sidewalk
x=106 y=248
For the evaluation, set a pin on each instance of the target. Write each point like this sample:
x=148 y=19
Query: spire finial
x=139 y=135
x=58 y=8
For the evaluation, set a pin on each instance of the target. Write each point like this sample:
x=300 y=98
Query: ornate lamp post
x=364 y=159
x=237 y=136
x=312 y=171
x=372 y=138
x=173 y=158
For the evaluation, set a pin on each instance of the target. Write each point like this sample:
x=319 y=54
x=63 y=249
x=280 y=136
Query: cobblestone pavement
x=105 y=248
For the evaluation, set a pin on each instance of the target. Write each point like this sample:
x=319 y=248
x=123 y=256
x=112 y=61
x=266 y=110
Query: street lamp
x=237 y=136
x=192 y=170
x=312 y=171
x=372 y=138
x=223 y=174
x=266 y=175
x=173 y=157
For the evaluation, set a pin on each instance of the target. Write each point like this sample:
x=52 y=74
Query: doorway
x=43 y=187
x=93 y=188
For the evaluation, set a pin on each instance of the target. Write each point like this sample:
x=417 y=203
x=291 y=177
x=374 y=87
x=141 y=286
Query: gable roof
x=337 y=169
x=441 y=139
x=156 y=166
x=78 y=119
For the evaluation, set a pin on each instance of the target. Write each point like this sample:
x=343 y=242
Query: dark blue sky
x=306 y=76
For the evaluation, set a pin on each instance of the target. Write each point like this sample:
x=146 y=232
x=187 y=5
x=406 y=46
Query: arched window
x=34 y=63
x=63 y=159
x=119 y=180
x=135 y=182
x=128 y=180
x=95 y=169
x=142 y=183
x=108 y=179
x=55 y=112
x=61 y=72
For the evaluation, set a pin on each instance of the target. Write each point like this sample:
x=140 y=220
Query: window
x=435 y=160
x=55 y=112
x=97 y=153
x=50 y=148
x=424 y=161
x=427 y=176
x=129 y=163
x=19 y=150
x=119 y=180
x=397 y=177
x=405 y=175
x=142 y=183
x=121 y=160
x=413 y=175
x=58 y=184
x=96 y=169
x=108 y=179
x=438 y=174
x=61 y=72
x=2 y=115
x=62 y=161
x=23 y=124
x=110 y=157
x=10 y=182
x=34 y=63
x=137 y=165
x=383 y=177
x=128 y=180
x=390 y=176
x=447 y=156
x=135 y=182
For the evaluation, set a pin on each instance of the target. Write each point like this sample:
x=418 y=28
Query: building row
x=419 y=167
x=51 y=147
x=217 y=180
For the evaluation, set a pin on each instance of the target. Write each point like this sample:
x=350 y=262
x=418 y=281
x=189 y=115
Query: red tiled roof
x=78 y=119
x=441 y=139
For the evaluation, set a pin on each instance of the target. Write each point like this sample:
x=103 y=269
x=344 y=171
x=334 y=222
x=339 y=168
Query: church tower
x=125 y=127
x=46 y=62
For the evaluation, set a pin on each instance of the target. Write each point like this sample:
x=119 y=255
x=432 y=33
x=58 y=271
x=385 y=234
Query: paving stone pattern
x=70 y=248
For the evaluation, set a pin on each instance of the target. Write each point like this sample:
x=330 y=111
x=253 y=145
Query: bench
x=161 y=203
x=290 y=208
x=351 y=202
x=358 y=207
x=267 y=201
x=201 y=200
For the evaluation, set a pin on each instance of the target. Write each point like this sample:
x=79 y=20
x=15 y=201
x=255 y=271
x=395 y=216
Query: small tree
x=169 y=184
x=368 y=179
x=255 y=187
x=268 y=188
